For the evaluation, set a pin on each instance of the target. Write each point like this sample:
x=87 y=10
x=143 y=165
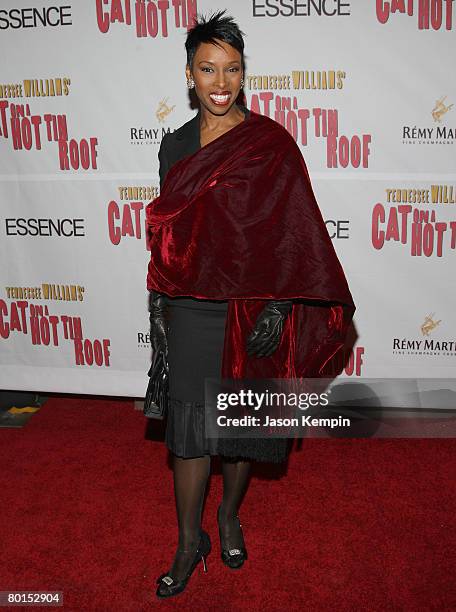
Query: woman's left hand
x=266 y=335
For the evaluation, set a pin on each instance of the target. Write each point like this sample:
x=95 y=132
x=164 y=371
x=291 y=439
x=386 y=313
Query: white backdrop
x=73 y=307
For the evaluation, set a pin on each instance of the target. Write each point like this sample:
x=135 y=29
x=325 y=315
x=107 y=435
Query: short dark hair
x=218 y=27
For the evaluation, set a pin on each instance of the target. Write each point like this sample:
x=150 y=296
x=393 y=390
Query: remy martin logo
x=440 y=109
x=431 y=134
x=163 y=110
x=429 y=325
x=150 y=135
x=429 y=347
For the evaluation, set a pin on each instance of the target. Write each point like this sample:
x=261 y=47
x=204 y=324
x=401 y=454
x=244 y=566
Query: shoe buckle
x=167 y=580
x=234 y=551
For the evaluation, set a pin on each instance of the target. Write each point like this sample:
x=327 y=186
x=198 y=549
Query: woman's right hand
x=158 y=323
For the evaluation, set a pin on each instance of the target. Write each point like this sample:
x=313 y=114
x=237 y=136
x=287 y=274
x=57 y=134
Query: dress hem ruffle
x=185 y=437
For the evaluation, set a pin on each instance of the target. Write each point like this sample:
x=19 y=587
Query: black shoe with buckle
x=232 y=557
x=168 y=586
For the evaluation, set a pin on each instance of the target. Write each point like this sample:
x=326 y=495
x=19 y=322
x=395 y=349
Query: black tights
x=190 y=479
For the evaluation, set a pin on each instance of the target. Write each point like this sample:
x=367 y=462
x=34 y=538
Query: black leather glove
x=158 y=323
x=265 y=337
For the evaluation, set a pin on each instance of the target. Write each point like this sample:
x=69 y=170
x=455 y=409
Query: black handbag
x=156 y=399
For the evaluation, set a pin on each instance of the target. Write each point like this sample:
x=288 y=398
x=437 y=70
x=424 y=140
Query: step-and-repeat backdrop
x=89 y=88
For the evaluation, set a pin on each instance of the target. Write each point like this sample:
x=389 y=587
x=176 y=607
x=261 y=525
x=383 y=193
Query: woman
x=243 y=278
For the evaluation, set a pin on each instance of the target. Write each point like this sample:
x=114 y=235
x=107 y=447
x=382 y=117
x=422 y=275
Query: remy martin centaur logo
x=429 y=324
x=433 y=347
x=163 y=110
x=431 y=134
x=440 y=109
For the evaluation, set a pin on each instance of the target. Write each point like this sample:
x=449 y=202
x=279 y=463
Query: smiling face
x=217 y=72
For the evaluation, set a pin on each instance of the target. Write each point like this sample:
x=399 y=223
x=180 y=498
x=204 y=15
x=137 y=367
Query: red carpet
x=87 y=508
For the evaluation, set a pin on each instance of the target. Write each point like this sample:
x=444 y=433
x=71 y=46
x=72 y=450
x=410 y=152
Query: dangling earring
x=190 y=83
x=242 y=82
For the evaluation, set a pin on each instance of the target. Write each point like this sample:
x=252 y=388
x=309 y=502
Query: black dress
x=195 y=346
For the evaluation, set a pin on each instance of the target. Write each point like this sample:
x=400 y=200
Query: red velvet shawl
x=238 y=221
